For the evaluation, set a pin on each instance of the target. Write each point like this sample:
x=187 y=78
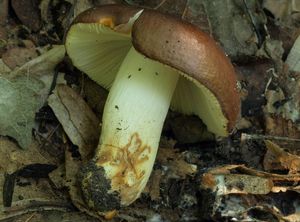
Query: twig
x=30 y=217
x=260 y=38
x=245 y=137
x=160 y=4
x=26 y=206
x=47 y=139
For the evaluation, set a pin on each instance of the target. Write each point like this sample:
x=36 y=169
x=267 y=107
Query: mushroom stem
x=133 y=118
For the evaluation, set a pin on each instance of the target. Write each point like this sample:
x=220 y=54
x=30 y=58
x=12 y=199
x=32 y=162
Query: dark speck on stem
x=140 y=69
x=116 y=107
x=129 y=76
x=156 y=73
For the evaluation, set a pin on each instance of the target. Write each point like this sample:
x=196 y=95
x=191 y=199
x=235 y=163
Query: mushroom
x=149 y=61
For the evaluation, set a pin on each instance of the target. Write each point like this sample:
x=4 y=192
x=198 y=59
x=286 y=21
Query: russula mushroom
x=149 y=61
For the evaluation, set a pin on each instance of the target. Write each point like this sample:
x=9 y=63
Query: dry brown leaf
x=28 y=12
x=82 y=127
x=94 y=95
x=282 y=109
x=278 y=126
x=28 y=193
x=78 y=120
x=12 y=158
x=3 y=67
x=153 y=185
x=190 y=129
x=18 y=56
x=215 y=178
x=3 y=11
x=24 y=91
x=278 y=159
x=236 y=184
x=57 y=176
x=283 y=8
x=293 y=217
x=72 y=167
x=236 y=191
x=177 y=167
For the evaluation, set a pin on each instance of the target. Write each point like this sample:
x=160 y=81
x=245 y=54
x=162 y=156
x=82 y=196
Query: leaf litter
x=252 y=175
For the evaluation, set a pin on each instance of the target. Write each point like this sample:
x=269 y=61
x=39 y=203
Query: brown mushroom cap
x=171 y=41
x=184 y=47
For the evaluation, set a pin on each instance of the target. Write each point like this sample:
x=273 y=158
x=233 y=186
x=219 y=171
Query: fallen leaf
x=73 y=166
x=283 y=8
x=3 y=67
x=44 y=64
x=77 y=8
x=282 y=115
x=175 y=164
x=82 y=127
x=18 y=56
x=44 y=8
x=293 y=217
x=19 y=102
x=20 y=166
x=153 y=185
x=284 y=101
x=3 y=11
x=293 y=57
x=278 y=159
x=285 y=106
x=57 y=176
x=233 y=30
x=22 y=93
x=189 y=129
x=236 y=184
x=235 y=191
x=274 y=182
x=3 y=41
x=12 y=158
x=279 y=126
x=94 y=95
x=78 y=120
x=28 y=12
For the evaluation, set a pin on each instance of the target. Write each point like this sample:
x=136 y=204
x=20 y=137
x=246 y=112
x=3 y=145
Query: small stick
x=245 y=136
x=160 y=4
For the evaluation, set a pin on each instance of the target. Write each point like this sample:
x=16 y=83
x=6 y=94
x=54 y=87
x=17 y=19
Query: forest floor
x=50 y=114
